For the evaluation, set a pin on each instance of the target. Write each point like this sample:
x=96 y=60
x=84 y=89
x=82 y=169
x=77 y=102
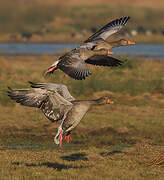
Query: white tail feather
x=56 y=138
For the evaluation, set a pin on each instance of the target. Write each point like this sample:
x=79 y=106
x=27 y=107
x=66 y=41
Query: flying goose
x=92 y=51
x=57 y=104
x=98 y=40
x=102 y=44
x=74 y=63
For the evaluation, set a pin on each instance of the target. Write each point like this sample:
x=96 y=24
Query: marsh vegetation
x=122 y=141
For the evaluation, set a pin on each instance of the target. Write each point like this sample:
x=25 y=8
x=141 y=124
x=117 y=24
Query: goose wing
x=101 y=60
x=60 y=88
x=56 y=107
x=109 y=29
x=28 y=97
x=74 y=66
x=52 y=104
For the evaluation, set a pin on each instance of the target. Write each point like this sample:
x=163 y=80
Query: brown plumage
x=75 y=115
x=109 y=29
x=74 y=63
x=102 y=44
x=57 y=104
x=53 y=99
x=92 y=51
x=98 y=40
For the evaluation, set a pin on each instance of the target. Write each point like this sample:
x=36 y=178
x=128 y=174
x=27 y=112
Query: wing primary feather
x=126 y=20
x=104 y=61
x=107 y=30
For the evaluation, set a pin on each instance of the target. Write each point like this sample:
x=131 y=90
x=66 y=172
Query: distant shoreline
x=62 y=38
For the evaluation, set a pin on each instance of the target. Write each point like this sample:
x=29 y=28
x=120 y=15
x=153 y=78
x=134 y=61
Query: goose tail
x=57 y=137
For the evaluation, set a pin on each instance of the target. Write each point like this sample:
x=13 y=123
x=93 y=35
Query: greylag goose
x=74 y=63
x=92 y=52
x=57 y=104
x=98 y=40
x=102 y=44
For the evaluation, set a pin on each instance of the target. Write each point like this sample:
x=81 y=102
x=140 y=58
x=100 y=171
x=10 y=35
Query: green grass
x=121 y=141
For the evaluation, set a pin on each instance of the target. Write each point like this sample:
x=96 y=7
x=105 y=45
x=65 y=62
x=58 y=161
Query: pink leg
x=68 y=138
x=60 y=138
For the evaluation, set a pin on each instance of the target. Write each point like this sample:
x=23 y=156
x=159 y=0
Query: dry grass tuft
x=158 y=160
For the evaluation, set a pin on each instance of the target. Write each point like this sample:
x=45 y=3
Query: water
x=34 y=48
x=146 y=51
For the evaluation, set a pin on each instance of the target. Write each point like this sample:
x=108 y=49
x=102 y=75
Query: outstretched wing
x=109 y=29
x=74 y=66
x=102 y=60
x=55 y=107
x=28 y=97
x=52 y=104
x=60 y=88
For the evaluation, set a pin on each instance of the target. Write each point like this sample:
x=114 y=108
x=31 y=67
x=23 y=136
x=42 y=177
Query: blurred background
x=73 y=21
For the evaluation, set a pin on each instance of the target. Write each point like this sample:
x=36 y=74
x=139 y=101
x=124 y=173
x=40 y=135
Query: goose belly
x=77 y=114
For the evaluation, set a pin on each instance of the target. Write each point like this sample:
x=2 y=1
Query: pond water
x=146 y=51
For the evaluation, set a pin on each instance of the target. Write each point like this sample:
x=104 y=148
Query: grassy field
x=69 y=21
x=120 y=141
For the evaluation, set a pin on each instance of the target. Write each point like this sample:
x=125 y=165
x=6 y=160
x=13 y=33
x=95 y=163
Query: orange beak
x=49 y=70
x=109 y=101
x=131 y=42
x=109 y=52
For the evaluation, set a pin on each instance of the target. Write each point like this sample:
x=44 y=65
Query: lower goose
x=57 y=104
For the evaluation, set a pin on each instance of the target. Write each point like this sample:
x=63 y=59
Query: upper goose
x=98 y=39
x=91 y=52
x=56 y=103
x=102 y=44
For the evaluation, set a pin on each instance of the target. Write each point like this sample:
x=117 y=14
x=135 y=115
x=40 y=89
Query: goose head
x=104 y=100
x=124 y=42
